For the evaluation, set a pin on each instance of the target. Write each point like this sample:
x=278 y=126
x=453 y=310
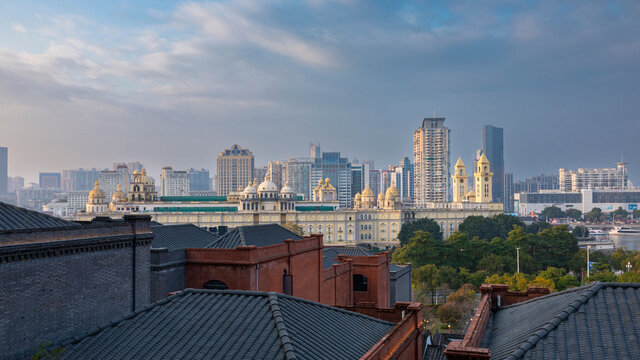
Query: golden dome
x=327 y=184
x=380 y=196
x=137 y=172
x=358 y=197
x=367 y=192
x=96 y=193
x=118 y=195
x=392 y=192
x=146 y=179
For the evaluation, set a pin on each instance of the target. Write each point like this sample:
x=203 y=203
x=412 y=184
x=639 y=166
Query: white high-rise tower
x=431 y=162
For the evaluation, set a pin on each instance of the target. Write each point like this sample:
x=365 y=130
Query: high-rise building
x=493 y=147
x=431 y=162
x=375 y=181
x=260 y=173
x=602 y=178
x=50 y=180
x=536 y=183
x=314 y=151
x=338 y=170
x=15 y=183
x=4 y=168
x=79 y=180
x=235 y=169
x=360 y=176
x=508 y=193
x=274 y=173
x=109 y=180
x=297 y=173
x=199 y=180
x=174 y=182
x=406 y=187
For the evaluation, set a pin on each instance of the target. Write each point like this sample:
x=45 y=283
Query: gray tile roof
x=328 y=262
x=258 y=235
x=16 y=218
x=214 y=324
x=334 y=251
x=596 y=321
x=174 y=237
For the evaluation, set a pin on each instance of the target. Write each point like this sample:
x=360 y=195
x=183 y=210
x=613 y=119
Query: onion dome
x=392 y=193
x=367 y=192
x=96 y=193
x=286 y=189
x=118 y=195
x=249 y=189
x=267 y=186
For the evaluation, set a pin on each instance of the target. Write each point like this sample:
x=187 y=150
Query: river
x=631 y=242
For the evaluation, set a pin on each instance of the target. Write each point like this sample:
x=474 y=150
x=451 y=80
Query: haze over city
x=175 y=83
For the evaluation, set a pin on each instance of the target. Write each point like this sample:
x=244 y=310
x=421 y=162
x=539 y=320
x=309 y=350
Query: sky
x=86 y=84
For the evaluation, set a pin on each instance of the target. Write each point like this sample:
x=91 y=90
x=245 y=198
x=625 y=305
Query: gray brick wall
x=51 y=296
x=167 y=272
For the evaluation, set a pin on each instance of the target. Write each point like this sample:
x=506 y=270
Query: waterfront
x=631 y=242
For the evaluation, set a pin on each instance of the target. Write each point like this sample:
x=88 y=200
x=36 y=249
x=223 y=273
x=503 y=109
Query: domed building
x=96 y=203
x=380 y=201
x=287 y=198
x=392 y=198
x=250 y=199
x=357 y=201
x=118 y=197
x=325 y=192
x=368 y=198
x=142 y=188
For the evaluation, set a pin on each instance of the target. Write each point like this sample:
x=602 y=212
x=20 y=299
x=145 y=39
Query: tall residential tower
x=493 y=146
x=235 y=169
x=431 y=162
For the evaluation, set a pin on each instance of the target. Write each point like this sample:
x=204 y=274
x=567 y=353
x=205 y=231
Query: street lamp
x=518 y=259
x=629 y=266
x=588 y=248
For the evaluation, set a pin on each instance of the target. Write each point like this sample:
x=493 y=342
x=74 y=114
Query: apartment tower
x=431 y=162
x=235 y=169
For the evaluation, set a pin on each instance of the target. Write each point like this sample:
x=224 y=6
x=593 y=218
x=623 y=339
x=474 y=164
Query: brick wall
x=52 y=290
x=167 y=272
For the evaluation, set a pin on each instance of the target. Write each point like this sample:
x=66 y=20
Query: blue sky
x=173 y=83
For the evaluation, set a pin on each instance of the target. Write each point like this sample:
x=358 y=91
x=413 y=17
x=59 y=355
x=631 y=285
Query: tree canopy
x=553 y=212
x=489 y=227
x=408 y=230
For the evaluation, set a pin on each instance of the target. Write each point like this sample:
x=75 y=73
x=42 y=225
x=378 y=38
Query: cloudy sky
x=173 y=83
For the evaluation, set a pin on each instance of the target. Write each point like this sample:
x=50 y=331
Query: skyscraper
x=431 y=162
x=508 y=192
x=50 y=180
x=274 y=173
x=109 y=180
x=297 y=173
x=338 y=170
x=4 y=165
x=406 y=187
x=174 y=182
x=235 y=169
x=493 y=146
x=79 y=180
x=199 y=180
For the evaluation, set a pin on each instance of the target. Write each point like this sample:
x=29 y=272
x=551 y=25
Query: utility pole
x=588 y=248
x=518 y=258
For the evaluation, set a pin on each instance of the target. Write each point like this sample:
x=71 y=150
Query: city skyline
x=169 y=73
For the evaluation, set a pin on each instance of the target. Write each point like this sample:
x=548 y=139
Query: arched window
x=215 y=285
x=359 y=282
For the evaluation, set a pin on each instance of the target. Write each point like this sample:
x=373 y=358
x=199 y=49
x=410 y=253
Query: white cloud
x=17 y=27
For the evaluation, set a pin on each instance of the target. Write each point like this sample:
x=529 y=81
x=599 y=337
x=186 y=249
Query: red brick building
x=271 y=258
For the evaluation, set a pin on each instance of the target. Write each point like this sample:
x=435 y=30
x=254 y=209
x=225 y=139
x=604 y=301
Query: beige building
x=431 y=162
x=96 y=203
x=377 y=222
x=482 y=190
x=235 y=169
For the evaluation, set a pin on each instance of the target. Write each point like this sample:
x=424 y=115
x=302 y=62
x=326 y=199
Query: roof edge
x=283 y=334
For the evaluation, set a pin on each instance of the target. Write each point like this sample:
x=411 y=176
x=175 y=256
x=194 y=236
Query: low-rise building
x=584 y=200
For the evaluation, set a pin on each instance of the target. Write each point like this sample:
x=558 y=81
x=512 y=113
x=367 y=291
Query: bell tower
x=460 y=179
x=483 y=176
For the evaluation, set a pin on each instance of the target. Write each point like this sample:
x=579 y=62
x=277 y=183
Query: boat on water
x=596 y=232
x=624 y=231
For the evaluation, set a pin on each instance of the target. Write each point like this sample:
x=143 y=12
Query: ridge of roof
x=545 y=329
x=283 y=334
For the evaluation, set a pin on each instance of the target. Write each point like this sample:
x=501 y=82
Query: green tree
x=580 y=232
x=422 y=249
x=450 y=313
x=594 y=215
x=620 y=213
x=537 y=226
x=426 y=277
x=636 y=214
x=553 y=212
x=489 y=227
x=574 y=213
x=629 y=277
x=408 y=230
